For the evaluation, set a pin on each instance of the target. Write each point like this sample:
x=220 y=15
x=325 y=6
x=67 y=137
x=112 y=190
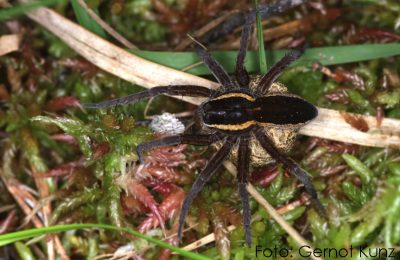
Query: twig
x=107 y=27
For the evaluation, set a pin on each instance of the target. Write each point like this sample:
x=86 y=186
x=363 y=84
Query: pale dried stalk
x=329 y=124
x=205 y=240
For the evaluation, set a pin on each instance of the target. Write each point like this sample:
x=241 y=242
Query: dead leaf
x=9 y=43
x=355 y=121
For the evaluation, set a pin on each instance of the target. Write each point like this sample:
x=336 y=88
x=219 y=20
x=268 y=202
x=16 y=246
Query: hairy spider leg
x=212 y=166
x=276 y=70
x=175 y=90
x=195 y=139
x=242 y=76
x=277 y=7
x=243 y=171
x=291 y=166
x=237 y=19
x=215 y=68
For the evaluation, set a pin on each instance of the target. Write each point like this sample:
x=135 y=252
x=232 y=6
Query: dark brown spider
x=246 y=118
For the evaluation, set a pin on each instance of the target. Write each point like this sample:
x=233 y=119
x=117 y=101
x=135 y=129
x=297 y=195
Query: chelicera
x=250 y=119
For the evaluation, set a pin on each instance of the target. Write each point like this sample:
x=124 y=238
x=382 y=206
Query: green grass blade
x=86 y=21
x=17 y=10
x=324 y=55
x=260 y=38
x=26 y=234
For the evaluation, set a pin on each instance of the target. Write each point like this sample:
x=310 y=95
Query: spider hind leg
x=291 y=166
x=205 y=175
x=195 y=139
x=243 y=170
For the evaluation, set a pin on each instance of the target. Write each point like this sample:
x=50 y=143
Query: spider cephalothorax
x=247 y=118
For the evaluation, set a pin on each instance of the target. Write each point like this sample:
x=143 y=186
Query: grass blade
x=324 y=55
x=86 y=21
x=260 y=38
x=17 y=10
x=25 y=234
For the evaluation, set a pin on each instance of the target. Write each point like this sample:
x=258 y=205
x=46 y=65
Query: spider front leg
x=276 y=70
x=291 y=166
x=195 y=139
x=216 y=69
x=242 y=76
x=212 y=166
x=243 y=171
x=174 y=90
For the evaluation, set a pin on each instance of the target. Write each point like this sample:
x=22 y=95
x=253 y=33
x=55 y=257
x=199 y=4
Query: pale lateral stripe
x=242 y=95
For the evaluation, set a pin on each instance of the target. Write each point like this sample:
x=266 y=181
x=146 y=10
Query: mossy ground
x=84 y=162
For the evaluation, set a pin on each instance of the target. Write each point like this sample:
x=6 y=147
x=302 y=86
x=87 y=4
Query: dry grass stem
x=329 y=124
x=9 y=43
x=205 y=240
x=194 y=65
x=6 y=208
x=107 y=27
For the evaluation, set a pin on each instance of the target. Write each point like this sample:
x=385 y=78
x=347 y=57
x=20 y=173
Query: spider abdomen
x=284 y=109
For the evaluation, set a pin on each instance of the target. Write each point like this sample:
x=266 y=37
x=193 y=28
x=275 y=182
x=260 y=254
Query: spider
x=246 y=117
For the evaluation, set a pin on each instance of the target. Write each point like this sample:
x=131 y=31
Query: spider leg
x=195 y=139
x=291 y=166
x=277 y=7
x=177 y=90
x=243 y=170
x=237 y=19
x=241 y=74
x=206 y=174
x=276 y=70
x=216 y=69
